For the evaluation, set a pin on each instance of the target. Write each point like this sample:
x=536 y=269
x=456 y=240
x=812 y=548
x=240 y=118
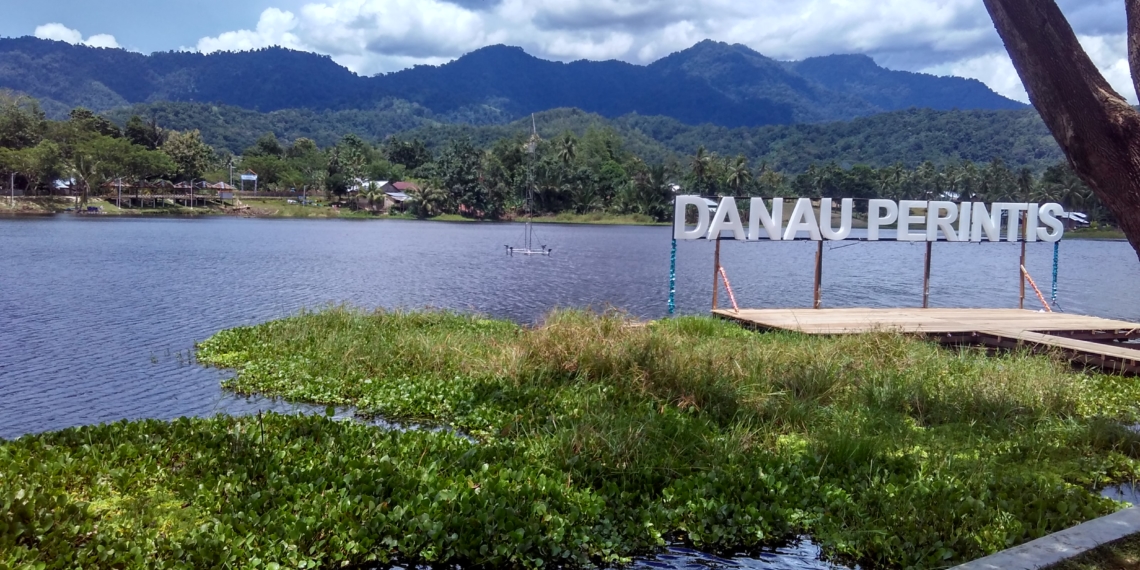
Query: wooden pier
x=1090 y=341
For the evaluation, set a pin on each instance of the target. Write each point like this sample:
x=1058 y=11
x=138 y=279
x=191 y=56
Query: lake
x=98 y=316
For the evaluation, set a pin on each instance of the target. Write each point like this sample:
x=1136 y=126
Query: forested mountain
x=910 y=137
x=859 y=76
x=715 y=83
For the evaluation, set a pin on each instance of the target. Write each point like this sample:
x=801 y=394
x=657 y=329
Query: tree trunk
x=1096 y=128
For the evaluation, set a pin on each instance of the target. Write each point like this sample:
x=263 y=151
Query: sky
x=943 y=37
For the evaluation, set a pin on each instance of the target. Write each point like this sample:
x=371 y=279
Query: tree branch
x=1096 y=128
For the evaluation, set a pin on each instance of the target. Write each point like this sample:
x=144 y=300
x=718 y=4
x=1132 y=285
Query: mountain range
x=710 y=82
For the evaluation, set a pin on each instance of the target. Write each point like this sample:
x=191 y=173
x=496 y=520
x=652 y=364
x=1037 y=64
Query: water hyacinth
x=582 y=442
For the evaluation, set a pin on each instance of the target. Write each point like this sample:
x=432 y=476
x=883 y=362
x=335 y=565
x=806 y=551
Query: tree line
x=591 y=173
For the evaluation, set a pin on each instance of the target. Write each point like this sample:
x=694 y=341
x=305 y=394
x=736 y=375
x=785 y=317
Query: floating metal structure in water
x=528 y=234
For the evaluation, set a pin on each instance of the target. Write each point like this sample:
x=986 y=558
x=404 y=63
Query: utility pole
x=119 y=196
x=12 y=188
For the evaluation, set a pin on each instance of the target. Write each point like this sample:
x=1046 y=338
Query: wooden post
x=926 y=278
x=716 y=272
x=1020 y=273
x=818 y=275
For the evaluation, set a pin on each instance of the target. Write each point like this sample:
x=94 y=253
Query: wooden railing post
x=1021 y=265
x=818 y=276
x=716 y=273
x=926 y=279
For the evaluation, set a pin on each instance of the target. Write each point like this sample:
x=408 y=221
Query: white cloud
x=1108 y=52
x=367 y=36
x=994 y=69
x=60 y=32
x=937 y=36
x=273 y=29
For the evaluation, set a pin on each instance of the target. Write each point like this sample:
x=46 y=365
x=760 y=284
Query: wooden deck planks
x=1117 y=358
x=1005 y=328
x=926 y=321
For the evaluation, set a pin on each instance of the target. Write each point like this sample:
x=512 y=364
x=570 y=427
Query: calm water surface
x=98 y=317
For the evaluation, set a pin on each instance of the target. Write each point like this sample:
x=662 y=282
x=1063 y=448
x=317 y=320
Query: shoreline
x=268 y=208
x=273 y=208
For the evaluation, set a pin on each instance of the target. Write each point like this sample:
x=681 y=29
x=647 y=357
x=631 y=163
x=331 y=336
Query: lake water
x=98 y=317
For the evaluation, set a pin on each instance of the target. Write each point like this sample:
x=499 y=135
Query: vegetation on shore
x=583 y=441
x=1096 y=232
x=592 y=171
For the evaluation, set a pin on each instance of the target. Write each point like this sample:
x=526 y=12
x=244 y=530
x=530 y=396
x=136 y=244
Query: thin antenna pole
x=532 y=147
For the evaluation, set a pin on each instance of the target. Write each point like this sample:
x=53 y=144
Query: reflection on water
x=799 y=556
x=1125 y=492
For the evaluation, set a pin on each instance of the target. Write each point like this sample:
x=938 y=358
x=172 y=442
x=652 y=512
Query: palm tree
x=738 y=174
x=585 y=198
x=1025 y=185
x=567 y=149
x=700 y=166
x=891 y=181
x=427 y=201
x=372 y=194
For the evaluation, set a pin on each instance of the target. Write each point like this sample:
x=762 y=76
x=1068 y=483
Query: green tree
x=374 y=194
x=266 y=145
x=191 y=156
x=427 y=201
x=22 y=123
x=145 y=134
x=739 y=174
x=38 y=165
x=88 y=121
x=97 y=159
x=699 y=166
x=347 y=162
x=310 y=164
x=412 y=154
x=567 y=148
x=458 y=170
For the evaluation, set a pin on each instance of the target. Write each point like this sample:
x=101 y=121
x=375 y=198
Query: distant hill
x=909 y=137
x=711 y=82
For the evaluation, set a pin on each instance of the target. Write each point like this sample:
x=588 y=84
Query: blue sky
x=946 y=37
x=142 y=25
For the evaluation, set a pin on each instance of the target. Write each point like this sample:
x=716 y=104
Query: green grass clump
x=593 y=439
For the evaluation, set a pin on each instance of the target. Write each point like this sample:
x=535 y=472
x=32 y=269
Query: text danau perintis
x=917 y=220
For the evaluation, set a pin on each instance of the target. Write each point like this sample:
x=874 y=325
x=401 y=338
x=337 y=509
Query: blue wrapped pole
x=673 y=279
x=1056 y=261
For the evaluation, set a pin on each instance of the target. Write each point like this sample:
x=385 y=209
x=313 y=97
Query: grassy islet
x=585 y=441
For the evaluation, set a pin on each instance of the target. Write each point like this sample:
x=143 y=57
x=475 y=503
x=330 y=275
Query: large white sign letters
x=917 y=220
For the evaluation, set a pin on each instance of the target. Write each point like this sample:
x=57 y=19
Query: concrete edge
x=1062 y=545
